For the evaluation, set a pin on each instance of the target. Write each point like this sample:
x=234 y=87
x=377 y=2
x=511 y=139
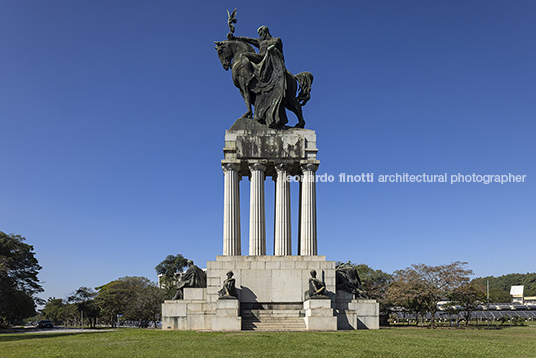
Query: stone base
x=356 y=314
x=226 y=316
x=271 y=287
x=269 y=279
x=319 y=315
x=186 y=314
x=194 y=313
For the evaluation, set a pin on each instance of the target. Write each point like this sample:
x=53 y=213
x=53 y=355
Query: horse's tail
x=305 y=80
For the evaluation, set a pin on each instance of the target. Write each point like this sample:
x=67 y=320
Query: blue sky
x=112 y=117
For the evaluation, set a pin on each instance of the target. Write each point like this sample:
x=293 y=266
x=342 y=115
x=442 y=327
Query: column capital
x=257 y=166
x=309 y=166
x=230 y=166
x=280 y=167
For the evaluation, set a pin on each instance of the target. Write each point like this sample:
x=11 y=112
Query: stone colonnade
x=307 y=244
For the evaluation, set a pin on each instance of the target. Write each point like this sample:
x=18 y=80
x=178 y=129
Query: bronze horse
x=230 y=52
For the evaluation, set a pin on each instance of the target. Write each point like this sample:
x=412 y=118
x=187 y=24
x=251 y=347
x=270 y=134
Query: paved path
x=31 y=330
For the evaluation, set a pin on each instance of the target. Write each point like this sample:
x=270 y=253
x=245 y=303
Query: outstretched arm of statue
x=249 y=40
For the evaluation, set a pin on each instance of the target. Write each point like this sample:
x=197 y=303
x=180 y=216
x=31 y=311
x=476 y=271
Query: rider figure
x=249 y=60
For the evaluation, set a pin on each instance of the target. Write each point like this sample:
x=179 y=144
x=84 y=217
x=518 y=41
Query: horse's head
x=225 y=53
x=227 y=50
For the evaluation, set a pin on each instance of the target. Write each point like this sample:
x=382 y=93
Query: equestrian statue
x=262 y=77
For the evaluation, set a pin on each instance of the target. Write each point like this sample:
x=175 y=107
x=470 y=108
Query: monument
x=281 y=291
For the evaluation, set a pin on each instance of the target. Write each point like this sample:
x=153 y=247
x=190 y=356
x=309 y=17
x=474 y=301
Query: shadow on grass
x=26 y=336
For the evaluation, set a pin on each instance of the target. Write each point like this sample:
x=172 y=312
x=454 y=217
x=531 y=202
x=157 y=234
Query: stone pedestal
x=226 y=317
x=195 y=313
x=356 y=314
x=191 y=293
x=191 y=313
x=319 y=315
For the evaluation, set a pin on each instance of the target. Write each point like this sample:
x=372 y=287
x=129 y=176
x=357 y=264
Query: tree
x=172 y=266
x=55 y=310
x=82 y=294
x=17 y=307
x=136 y=298
x=112 y=298
x=422 y=287
x=19 y=284
x=469 y=296
x=83 y=299
x=146 y=303
x=60 y=311
x=407 y=293
x=71 y=314
x=496 y=295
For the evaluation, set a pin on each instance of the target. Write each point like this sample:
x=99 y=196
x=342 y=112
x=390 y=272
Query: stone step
x=272 y=313
x=286 y=321
x=272 y=324
x=281 y=321
x=273 y=328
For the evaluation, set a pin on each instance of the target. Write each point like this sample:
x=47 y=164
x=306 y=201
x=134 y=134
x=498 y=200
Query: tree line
x=133 y=298
x=500 y=286
x=417 y=289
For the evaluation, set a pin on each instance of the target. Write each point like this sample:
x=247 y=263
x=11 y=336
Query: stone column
x=257 y=220
x=282 y=233
x=299 y=216
x=231 y=210
x=308 y=239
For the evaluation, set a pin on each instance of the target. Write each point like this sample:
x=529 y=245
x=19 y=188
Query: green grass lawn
x=391 y=342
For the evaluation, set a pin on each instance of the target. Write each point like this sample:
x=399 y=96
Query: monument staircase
x=273 y=317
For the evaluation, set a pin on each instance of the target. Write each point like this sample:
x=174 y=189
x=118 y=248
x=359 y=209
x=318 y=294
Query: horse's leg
x=247 y=100
x=292 y=104
x=295 y=107
x=240 y=83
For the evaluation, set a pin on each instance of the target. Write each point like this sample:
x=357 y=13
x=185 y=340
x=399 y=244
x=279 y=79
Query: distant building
x=517 y=294
x=160 y=278
x=530 y=300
